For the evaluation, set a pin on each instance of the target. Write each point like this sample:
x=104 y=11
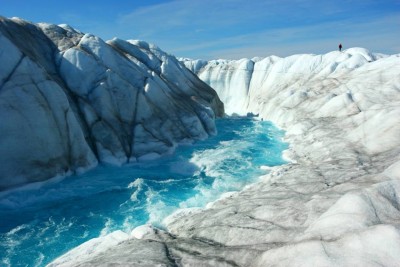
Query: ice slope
x=69 y=100
x=231 y=79
x=242 y=83
x=337 y=202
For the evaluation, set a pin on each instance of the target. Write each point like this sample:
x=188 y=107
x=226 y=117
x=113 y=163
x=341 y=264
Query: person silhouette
x=340 y=47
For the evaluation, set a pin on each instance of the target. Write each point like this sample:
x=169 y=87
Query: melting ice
x=40 y=223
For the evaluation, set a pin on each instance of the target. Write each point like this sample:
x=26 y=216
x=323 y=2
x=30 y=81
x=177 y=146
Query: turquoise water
x=39 y=223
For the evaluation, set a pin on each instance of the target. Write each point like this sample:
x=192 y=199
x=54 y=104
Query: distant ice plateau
x=337 y=203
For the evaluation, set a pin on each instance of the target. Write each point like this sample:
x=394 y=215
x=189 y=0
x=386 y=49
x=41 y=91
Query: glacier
x=70 y=100
x=335 y=204
x=45 y=222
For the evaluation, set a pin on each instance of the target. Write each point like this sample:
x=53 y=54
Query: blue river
x=40 y=222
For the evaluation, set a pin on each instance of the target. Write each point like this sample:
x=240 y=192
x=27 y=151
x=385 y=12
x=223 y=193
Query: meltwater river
x=41 y=222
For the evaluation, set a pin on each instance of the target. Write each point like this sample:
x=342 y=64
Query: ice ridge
x=70 y=100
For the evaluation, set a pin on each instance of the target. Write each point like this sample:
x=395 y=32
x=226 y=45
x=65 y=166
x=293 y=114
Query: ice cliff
x=337 y=203
x=69 y=100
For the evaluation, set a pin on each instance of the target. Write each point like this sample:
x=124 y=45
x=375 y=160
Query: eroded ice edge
x=47 y=220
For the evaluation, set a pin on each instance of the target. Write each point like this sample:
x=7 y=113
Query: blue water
x=39 y=223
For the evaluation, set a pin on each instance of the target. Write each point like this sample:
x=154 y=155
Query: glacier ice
x=337 y=202
x=69 y=100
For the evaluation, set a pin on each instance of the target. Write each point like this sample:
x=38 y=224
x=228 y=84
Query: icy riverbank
x=70 y=100
x=47 y=220
x=337 y=204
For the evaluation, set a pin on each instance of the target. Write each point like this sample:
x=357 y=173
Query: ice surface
x=70 y=99
x=337 y=202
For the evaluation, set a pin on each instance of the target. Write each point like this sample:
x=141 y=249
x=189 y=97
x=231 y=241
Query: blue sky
x=232 y=29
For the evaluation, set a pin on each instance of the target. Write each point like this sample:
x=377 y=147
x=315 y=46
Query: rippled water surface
x=41 y=222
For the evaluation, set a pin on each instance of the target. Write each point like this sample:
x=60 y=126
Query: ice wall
x=69 y=100
x=245 y=85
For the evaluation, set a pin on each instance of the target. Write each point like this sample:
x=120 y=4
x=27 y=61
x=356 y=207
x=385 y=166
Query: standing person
x=340 y=47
